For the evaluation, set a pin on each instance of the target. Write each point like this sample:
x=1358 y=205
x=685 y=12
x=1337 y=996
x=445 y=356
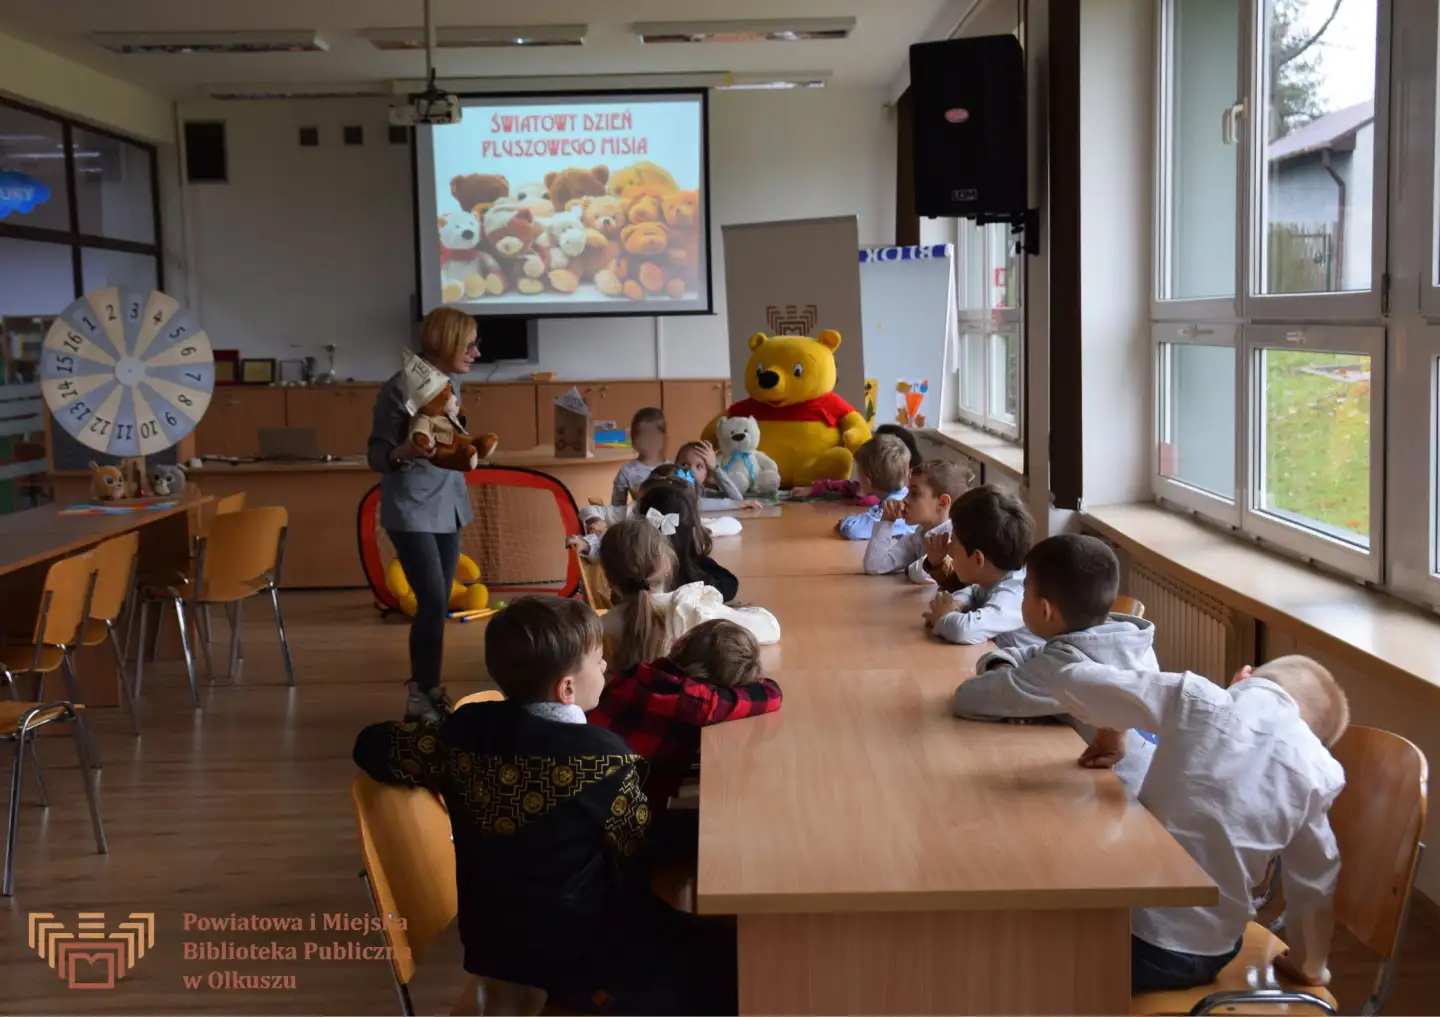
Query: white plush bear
x=466 y=272
x=752 y=470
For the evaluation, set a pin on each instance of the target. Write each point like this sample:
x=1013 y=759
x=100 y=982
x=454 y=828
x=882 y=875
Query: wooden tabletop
x=41 y=534
x=863 y=793
x=539 y=458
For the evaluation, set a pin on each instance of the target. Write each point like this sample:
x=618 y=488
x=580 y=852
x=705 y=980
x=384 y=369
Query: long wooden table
x=321 y=499
x=31 y=540
x=882 y=856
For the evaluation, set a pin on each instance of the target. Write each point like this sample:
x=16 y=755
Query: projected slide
x=567 y=205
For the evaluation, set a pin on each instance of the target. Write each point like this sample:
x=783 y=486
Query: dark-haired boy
x=1070 y=585
x=980 y=568
x=549 y=823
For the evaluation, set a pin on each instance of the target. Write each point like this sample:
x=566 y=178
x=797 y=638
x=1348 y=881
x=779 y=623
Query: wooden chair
x=114 y=577
x=410 y=871
x=592 y=582
x=64 y=608
x=1128 y=605
x=1378 y=820
x=241 y=557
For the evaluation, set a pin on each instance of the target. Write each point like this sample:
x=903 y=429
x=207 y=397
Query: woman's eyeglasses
x=474 y=347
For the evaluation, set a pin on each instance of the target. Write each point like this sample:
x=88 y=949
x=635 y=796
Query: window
x=1270 y=233
x=988 y=363
x=52 y=249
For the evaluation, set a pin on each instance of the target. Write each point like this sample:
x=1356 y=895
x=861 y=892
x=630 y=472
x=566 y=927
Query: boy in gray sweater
x=1070 y=585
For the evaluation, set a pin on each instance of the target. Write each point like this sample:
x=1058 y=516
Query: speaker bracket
x=1025 y=225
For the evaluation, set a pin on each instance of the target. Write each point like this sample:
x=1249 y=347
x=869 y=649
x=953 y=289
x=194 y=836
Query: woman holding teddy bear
x=423 y=507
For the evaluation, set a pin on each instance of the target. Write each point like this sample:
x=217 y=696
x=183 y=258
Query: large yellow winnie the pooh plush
x=809 y=431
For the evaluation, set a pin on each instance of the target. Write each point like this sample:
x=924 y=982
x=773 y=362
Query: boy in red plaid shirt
x=712 y=675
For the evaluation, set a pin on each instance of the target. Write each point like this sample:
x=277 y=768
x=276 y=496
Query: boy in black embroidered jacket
x=549 y=823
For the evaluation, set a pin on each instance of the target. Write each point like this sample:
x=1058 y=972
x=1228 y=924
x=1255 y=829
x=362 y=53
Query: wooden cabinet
x=231 y=425
x=340 y=415
x=506 y=408
x=692 y=404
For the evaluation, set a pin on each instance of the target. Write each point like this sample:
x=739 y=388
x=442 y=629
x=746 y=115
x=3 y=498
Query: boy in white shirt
x=982 y=580
x=934 y=486
x=1070 y=585
x=1240 y=776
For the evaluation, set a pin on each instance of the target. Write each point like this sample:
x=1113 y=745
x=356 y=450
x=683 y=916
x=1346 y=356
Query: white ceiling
x=875 y=52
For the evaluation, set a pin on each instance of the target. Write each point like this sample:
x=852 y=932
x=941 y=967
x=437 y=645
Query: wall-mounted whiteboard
x=907 y=306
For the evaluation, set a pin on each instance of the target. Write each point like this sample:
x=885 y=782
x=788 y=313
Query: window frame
x=1357 y=321
x=1339 y=306
x=1331 y=552
x=73 y=237
x=988 y=323
x=1171 y=489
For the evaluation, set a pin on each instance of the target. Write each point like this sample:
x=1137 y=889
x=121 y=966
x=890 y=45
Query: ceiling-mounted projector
x=432 y=107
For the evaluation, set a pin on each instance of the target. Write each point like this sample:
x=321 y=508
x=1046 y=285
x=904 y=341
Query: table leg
x=990 y=962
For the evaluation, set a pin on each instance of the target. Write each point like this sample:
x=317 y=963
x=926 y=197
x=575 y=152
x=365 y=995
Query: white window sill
x=1354 y=624
x=998 y=453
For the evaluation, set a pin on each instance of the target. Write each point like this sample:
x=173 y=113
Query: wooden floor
x=243 y=809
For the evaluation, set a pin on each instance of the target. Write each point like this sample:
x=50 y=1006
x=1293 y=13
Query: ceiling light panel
x=171 y=43
x=783 y=30
x=478 y=37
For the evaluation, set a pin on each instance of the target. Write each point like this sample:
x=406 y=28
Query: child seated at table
x=908 y=439
x=1070 y=583
x=882 y=468
x=675 y=512
x=980 y=569
x=934 y=486
x=711 y=674
x=550 y=825
x=707 y=503
x=647 y=617
x=1240 y=776
x=697 y=458
x=647 y=435
x=596 y=519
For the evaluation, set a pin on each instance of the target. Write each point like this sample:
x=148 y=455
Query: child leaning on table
x=711 y=674
x=647 y=616
x=550 y=827
x=1070 y=585
x=675 y=511
x=596 y=519
x=934 y=486
x=980 y=569
x=1240 y=776
x=882 y=468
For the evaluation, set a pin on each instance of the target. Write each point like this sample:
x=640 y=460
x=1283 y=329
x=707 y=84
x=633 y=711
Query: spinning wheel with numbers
x=127 y=372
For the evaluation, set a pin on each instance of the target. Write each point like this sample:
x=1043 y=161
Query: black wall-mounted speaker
x=205 y=161
x=969 y=128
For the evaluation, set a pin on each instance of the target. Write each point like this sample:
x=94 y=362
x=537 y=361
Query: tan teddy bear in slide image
x=476 y=192
x=571 y=185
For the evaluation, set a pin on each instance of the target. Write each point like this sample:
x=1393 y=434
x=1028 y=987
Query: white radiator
x=1193 y=632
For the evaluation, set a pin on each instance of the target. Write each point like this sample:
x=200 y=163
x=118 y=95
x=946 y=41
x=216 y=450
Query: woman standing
x=424 y=508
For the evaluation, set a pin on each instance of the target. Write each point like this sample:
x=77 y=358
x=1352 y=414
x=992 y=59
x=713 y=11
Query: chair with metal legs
x=59 y=627
x=18 y=724
x=114 y=577
x=241 y=557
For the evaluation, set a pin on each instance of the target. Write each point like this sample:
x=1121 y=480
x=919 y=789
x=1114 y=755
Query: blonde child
x=647 y=617
x=1240 y=776
x=647 y=435
x=934 y=486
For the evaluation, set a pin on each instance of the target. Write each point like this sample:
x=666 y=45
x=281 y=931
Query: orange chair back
x=1378 y=820
x=592 y=582
x=114 y=570
x=1128 y=605
x=230 y=503
x=68 y=586
x=488 y=696
x=405 y=838
x=243 y=545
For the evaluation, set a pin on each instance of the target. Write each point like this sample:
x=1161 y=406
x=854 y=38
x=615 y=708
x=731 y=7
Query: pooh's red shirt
x=829 y=409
